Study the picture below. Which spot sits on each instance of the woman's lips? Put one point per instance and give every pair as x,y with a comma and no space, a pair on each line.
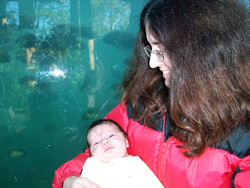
166,73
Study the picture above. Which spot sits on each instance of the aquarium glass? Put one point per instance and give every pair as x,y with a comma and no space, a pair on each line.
61,62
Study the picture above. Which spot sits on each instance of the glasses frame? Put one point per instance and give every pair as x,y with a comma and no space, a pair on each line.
158,53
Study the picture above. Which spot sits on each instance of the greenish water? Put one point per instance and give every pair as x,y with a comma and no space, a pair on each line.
60,64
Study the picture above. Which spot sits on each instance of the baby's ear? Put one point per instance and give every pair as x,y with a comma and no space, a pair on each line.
127,143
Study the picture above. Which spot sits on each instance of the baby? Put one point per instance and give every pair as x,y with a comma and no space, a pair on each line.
110,165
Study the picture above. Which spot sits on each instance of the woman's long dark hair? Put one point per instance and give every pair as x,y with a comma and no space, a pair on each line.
208,43
141,83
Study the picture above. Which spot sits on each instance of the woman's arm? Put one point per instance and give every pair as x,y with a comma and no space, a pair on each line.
70,168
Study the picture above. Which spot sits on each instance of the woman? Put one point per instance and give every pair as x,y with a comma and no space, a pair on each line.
191,62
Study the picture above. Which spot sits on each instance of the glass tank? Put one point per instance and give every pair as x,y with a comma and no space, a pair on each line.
61,62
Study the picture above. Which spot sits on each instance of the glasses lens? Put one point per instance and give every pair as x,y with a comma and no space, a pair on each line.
147,51
159,55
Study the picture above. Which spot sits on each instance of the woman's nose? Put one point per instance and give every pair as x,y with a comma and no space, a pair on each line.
154,61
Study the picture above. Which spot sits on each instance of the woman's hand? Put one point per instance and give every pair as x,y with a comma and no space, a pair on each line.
78,182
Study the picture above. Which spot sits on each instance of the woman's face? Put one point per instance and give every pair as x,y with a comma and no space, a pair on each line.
165,66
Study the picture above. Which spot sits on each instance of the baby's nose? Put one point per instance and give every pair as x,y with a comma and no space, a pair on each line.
105,141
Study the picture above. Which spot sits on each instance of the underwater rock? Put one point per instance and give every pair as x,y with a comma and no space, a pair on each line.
49,127
120,39
4,56
17,153
90,115
27,40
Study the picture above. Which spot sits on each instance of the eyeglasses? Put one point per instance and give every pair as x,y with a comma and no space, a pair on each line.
158,53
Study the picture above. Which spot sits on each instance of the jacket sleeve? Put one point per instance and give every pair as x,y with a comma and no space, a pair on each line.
242,179
70,168
74,166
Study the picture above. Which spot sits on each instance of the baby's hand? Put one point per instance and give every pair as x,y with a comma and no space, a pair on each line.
79,182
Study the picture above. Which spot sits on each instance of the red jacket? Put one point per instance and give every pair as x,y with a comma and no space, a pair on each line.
213,169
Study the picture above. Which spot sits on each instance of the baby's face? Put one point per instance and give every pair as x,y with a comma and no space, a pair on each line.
107,142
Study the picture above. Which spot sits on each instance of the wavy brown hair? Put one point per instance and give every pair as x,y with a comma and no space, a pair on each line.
208,43
142,84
